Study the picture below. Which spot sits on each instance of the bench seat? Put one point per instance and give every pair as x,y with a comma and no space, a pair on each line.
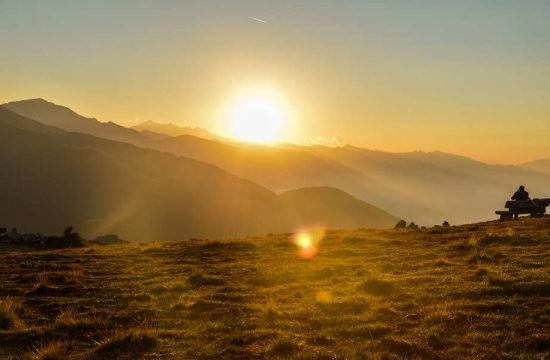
535,207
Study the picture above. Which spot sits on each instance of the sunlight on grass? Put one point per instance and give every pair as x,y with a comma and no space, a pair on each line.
384,294
323,296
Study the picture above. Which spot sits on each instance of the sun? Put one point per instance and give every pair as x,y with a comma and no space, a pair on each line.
257,116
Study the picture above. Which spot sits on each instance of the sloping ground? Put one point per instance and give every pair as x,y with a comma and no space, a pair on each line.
477,291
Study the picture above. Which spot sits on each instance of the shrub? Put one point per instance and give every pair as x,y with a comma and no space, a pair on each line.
413,226
401,224
69,239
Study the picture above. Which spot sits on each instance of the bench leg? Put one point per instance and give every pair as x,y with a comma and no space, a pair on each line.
504,217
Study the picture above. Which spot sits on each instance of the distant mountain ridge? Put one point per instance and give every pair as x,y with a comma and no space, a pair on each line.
54,178
542,166
427,188
64,118
175,130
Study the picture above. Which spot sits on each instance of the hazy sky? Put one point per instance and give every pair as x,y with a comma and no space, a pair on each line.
469,77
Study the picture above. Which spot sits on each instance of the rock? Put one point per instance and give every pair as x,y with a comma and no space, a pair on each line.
109,239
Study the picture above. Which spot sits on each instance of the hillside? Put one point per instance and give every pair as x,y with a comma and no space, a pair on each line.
542,166
64,118
276,168
99,186
425,187
302,203
468,292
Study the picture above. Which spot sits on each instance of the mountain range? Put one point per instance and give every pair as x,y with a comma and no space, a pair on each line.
541,166
52,178
170,129
425,187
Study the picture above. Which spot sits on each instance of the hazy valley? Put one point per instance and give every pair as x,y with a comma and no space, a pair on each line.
426,188
57,178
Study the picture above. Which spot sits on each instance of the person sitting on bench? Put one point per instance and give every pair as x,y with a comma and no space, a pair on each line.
521,194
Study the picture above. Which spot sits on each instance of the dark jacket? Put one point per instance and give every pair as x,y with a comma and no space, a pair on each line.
521,195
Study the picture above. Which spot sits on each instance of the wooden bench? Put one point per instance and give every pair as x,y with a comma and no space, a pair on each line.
535,207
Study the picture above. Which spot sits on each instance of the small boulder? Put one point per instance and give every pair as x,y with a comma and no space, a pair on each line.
109,239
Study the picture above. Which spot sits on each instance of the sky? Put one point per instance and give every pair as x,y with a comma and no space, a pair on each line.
469,77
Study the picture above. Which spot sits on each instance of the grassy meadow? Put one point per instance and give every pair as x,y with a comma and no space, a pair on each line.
476,291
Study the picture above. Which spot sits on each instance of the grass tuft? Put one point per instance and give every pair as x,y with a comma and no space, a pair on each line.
133,342
284,348
72,323
198,280
8,315
52,351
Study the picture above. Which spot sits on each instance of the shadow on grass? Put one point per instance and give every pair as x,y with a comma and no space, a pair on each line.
377,287
198,280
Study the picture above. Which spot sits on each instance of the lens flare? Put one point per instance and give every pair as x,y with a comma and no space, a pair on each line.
307,240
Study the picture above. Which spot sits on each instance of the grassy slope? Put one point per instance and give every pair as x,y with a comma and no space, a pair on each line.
475,291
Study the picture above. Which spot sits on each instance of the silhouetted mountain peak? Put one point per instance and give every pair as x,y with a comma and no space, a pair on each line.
35,100
62,117
42,105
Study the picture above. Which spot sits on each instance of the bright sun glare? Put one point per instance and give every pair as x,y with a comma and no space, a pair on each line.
257,117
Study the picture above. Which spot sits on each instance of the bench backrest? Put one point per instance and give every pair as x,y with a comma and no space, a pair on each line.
521,205
542,202
527,205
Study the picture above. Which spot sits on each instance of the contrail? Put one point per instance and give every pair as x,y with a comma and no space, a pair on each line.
258,20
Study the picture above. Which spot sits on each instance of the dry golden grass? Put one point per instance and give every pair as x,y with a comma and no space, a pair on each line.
8,314
51,351
476,291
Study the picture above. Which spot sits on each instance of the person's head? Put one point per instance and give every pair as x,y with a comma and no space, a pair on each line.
522,188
